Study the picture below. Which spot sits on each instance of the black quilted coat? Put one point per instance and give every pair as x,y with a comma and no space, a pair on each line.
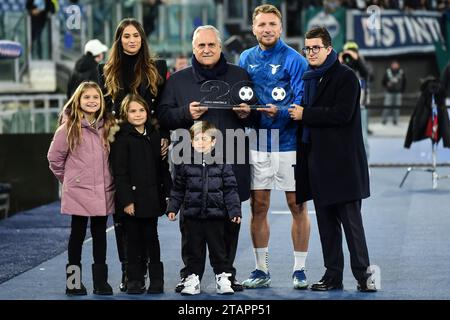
207,191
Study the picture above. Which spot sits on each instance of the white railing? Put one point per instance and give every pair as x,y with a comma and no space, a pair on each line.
35,113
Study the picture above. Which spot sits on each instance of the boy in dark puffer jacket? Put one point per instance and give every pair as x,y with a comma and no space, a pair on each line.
208,194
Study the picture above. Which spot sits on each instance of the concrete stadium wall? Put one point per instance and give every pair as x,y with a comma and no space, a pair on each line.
23,164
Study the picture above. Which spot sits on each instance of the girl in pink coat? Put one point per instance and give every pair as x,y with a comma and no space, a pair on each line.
78,157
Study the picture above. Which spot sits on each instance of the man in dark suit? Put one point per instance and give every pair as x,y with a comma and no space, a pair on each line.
332,165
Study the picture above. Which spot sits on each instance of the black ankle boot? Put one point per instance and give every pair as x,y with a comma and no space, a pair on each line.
100,279
74,286
136,282
156,275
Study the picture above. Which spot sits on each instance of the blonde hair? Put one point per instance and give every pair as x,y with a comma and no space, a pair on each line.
202,127
145,68
266,8
72,114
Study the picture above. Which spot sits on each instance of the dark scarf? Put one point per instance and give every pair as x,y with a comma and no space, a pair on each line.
311,80
220,68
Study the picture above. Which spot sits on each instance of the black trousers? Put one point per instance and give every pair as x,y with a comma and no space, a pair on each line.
78,234
231,237
142,238
198,233
329,220
121,237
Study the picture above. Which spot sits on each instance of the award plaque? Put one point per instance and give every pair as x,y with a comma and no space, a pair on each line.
218,94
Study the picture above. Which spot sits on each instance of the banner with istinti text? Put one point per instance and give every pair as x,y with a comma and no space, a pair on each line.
392,32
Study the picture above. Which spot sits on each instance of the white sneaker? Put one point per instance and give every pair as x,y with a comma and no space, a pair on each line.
191,285
223,283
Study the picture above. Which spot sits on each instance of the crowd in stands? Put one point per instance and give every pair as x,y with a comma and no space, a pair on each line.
383,4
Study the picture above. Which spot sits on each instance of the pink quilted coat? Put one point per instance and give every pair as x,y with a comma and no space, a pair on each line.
88,188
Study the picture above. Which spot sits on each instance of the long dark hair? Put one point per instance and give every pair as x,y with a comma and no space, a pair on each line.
145,69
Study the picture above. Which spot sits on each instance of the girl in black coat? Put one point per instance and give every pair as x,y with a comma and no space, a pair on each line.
142,182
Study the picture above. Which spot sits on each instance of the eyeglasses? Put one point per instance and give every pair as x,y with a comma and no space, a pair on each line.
314,49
